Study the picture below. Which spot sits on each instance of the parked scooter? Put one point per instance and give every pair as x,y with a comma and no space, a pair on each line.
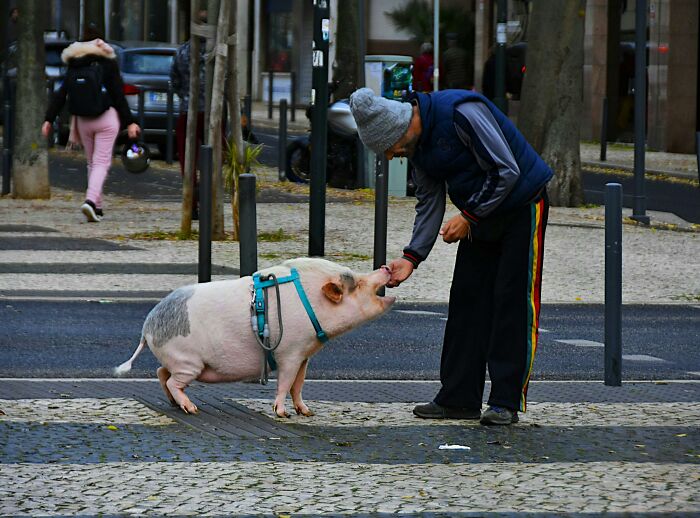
341,161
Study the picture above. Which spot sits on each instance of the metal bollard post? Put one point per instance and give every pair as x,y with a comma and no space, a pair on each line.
205,168
169,126
248,239
293,80
282,147
381,206
604,132
270,79
697,150
248,110
142,115
613,284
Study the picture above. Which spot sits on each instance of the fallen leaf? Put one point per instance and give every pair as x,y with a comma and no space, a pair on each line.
681,435
112,427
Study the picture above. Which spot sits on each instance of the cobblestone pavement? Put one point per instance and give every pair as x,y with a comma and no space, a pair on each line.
68,455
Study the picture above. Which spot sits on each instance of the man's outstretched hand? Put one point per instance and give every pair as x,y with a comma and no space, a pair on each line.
401,269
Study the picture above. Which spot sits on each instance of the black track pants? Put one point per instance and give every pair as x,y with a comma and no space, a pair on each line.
494,310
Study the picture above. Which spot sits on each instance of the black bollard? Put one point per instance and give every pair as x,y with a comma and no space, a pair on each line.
205,169
141,108
282,141
248,225
169,125
270,79
293,81
697,150
613,284
381,208
604,132
247,109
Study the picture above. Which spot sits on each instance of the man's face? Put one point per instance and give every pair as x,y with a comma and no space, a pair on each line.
406,145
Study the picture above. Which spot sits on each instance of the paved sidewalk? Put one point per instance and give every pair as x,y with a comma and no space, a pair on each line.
114,447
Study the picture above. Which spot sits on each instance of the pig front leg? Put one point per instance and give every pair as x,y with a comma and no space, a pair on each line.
286,376
298,402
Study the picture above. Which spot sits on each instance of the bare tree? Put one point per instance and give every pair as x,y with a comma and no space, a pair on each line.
188,179
346,69
234,111
31,161
552,95
216,117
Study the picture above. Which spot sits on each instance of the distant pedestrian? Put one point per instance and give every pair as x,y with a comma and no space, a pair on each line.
455,64
423,69
180,79
94,90
12,27
460,144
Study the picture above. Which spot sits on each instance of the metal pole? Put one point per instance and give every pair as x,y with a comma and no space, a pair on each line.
282,142
613,284
248,225
270,79
639,200
436,45
697,150
142,115
604,132
319,96
293,80
169,126
247,108
500,83
381,205
205,209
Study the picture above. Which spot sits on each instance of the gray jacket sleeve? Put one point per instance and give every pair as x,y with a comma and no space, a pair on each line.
478,129
430,210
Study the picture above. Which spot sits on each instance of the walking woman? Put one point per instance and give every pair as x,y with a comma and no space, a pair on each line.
94,90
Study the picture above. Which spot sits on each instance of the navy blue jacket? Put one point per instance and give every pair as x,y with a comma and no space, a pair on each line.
473,149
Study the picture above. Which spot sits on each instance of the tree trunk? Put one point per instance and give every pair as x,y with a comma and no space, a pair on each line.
191,132
30,159
345,73
234,112
216,118
552,96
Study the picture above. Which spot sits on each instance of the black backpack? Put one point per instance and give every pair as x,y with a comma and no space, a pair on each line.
87,96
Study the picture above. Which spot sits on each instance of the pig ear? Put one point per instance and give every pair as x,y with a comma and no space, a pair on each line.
333,291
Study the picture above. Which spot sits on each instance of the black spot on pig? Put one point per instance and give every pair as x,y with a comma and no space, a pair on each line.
169,318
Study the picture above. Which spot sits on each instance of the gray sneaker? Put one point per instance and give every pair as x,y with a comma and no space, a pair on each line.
434,411
498,415
88,208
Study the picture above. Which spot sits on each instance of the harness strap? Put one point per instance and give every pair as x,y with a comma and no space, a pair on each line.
293,277
259,305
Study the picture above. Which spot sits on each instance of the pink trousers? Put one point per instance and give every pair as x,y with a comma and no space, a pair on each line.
98,135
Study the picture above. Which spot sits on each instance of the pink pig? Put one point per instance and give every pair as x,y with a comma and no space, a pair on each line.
204,331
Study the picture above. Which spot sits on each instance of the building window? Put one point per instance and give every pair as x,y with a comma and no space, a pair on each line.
279,35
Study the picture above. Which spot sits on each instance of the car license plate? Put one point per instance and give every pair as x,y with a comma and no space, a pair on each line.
159,97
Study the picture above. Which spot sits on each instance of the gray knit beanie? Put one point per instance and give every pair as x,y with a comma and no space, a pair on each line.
380,122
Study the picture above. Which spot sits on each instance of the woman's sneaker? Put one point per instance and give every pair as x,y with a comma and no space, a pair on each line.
498,415
88,208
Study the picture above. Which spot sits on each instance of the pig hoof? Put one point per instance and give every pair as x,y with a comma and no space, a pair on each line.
277,412
305,412
190,408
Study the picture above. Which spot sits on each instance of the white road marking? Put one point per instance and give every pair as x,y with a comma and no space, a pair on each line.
582,343
417,312
643,358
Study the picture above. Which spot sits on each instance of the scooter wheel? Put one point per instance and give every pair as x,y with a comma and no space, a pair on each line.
298,164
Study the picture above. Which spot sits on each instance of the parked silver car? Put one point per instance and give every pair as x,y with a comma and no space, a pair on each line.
145,66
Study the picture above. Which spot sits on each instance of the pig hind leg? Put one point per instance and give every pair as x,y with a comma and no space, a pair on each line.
163,376
176,384
298,402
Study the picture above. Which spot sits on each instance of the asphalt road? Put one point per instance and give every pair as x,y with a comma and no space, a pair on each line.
87,339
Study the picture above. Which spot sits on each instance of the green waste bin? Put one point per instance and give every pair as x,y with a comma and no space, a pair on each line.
390,77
